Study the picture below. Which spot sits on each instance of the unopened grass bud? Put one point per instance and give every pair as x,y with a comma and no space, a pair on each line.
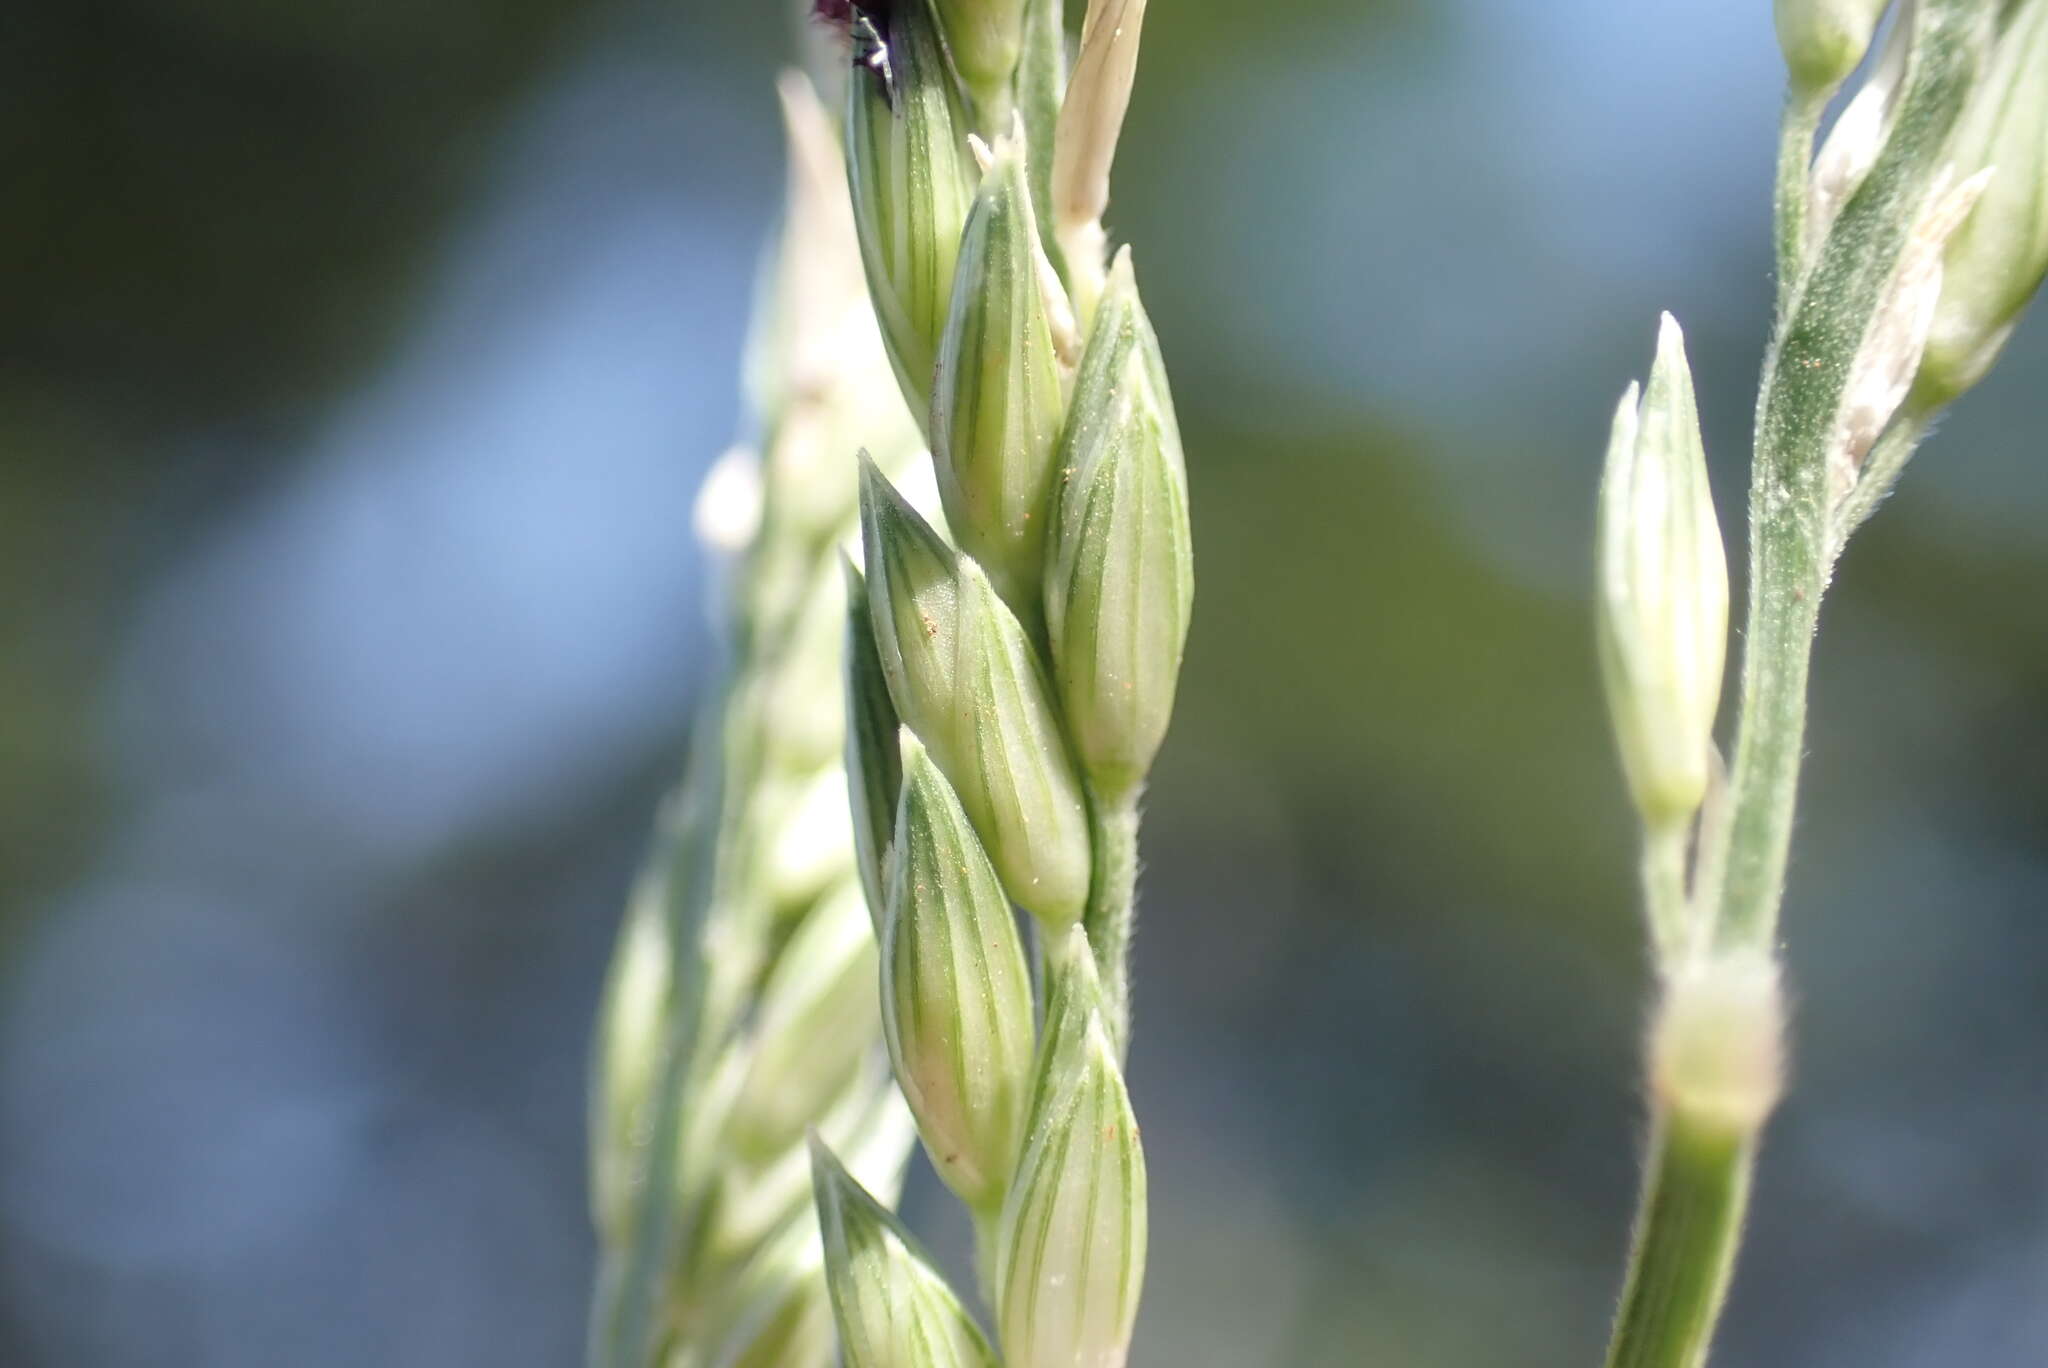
1997,258
876,1149
802,714
1663,603
874,774
893,1309
1071,1247
866,1125
792,1329
913,590
956,995
633,1023
911,178
1824,40
1120,585
817,1020
965,678
998,393
1717,1052
784,1318
811,850
985,37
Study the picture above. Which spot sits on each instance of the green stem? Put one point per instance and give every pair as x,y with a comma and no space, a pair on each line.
1796,129
1697,1187
1784,609
1112,904
987,1223
1787,574
1694,1196
1690,1219
1664,893
1814,350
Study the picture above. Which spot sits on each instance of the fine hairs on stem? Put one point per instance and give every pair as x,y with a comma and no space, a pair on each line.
1906,248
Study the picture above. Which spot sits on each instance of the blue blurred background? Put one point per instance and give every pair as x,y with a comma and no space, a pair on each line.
357,367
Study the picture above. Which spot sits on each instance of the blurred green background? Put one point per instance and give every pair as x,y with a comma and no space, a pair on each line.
357,365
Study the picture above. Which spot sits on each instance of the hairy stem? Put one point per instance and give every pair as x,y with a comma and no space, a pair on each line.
1812,355
1831,299
1796,129
1787,577
1664,891
1694,1196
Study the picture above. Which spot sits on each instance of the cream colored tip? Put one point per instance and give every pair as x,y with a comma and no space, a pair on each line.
1670,337
1092,117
